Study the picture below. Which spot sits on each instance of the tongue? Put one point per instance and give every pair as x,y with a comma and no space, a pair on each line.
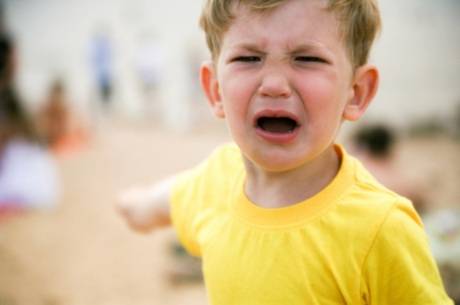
277,125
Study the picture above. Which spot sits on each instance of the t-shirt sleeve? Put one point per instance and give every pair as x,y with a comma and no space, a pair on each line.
399,268
198,192
184,207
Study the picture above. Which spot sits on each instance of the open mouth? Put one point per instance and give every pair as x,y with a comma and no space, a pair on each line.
279,125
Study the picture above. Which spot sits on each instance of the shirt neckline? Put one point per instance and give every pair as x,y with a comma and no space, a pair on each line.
300,212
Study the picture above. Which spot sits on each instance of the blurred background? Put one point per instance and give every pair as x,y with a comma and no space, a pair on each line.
97,96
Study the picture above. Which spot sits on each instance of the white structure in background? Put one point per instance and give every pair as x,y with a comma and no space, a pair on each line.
418,56
417,52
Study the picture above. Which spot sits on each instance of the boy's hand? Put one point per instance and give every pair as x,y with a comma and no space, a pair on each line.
145,209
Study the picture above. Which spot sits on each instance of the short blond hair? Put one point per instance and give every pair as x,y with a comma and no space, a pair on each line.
359,19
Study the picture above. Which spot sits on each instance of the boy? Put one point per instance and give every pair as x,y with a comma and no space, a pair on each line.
286,216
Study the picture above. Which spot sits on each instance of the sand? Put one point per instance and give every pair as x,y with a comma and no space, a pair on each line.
81,253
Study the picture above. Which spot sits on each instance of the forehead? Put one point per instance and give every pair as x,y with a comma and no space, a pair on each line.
294,22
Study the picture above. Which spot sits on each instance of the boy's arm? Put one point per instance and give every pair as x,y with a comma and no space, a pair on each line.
146,209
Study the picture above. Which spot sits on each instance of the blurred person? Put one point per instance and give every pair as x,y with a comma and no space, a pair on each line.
101,63
58,124
149,61
7,60
28,176
375,146
285,215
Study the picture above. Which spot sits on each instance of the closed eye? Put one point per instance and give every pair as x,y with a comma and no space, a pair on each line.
247,59
310,59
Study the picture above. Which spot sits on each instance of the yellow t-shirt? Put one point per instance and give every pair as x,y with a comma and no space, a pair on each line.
355,242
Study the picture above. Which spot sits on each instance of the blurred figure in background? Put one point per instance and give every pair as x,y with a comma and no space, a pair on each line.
101,64
375,146
28,177
59,126
149,69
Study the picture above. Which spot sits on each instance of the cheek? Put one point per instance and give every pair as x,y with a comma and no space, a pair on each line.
322,93
316,93
324,103
236,95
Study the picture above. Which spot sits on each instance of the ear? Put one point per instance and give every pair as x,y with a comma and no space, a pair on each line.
364,88
210,87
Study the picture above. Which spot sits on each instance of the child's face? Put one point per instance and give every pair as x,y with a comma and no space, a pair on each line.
284,82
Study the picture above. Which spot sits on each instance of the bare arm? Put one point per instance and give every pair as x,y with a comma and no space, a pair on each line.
146,209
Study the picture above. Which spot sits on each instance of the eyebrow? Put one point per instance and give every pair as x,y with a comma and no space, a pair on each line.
309,47
248,46
304,47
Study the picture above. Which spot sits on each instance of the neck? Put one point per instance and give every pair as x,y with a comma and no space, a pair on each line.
281,189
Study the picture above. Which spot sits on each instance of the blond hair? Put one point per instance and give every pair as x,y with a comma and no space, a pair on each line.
359,20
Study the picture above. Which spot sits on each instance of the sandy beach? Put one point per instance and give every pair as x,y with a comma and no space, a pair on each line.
81,253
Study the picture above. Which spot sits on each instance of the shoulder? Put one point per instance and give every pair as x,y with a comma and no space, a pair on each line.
368,196
390,220
214,174
370,205
222,162
401,227
226,156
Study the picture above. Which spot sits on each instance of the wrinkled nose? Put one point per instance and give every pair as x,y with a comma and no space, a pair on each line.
275,84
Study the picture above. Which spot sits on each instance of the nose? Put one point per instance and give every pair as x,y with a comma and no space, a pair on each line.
275,84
